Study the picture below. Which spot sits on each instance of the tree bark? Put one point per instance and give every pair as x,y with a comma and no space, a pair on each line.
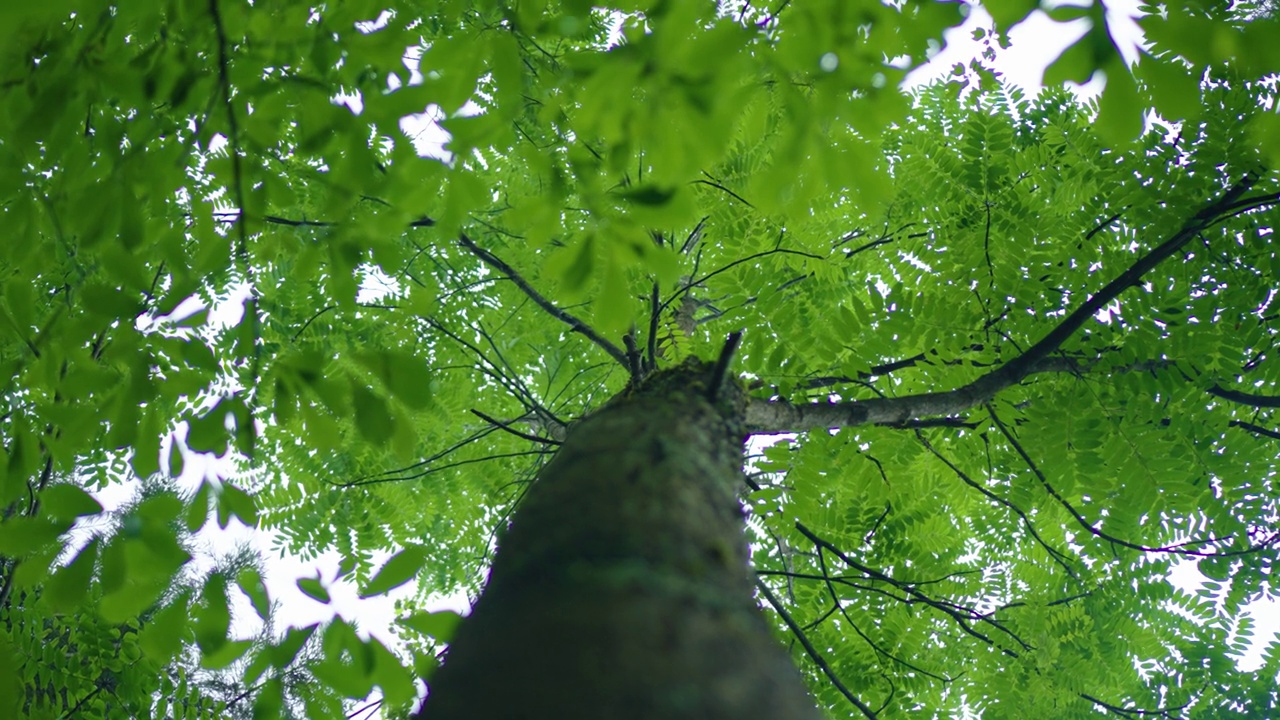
623,588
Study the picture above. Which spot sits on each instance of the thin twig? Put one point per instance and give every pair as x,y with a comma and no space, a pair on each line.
1267,401
694,283
242,230
961,614
1088,526
513,431
818,660
1256,429
1057,555
578,325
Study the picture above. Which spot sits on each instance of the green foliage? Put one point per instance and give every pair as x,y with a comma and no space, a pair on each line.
222,236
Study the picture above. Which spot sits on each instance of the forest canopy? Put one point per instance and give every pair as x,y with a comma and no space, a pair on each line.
1009,360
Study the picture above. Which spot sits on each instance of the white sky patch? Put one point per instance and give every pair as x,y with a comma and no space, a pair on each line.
1034,44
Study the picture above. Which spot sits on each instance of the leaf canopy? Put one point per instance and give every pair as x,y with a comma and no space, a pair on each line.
1015,356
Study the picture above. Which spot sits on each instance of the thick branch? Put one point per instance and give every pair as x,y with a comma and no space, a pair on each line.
774,416
1255,429
1267,401
232,217
1056,363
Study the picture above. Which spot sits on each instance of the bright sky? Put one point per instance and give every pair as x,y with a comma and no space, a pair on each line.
1034,44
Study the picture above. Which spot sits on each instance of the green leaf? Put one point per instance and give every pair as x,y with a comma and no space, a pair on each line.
664,263
223,512
159,509
463,194
1076,64
398,570
425,665
199,356
213,618
1215,568
198,510
614,306
226,654
258,664
175,461
391,675
1120,109
508,72
373,419
653,206
34,569
268,703
404,374
1264,132
574,266
69,586
114,567
406,440
421,301
20,302
351,678
439,626
110,302
1174,90
12,690
146,447
314,589
346,566
341,677
139,571
321,427
238,503
23,536
208,433
164,635
1008,13
649,195
67,502
283,654
1066,13
249,580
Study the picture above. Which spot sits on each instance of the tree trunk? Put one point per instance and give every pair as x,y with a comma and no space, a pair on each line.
623,589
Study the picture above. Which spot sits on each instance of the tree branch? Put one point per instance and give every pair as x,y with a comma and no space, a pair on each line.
811,650
1056,363
1255,429
1056,555
655,314
513,431
963,615
579,326
1179,549
1267,401
694,283
779,416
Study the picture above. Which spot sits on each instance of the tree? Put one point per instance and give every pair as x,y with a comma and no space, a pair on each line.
1013,356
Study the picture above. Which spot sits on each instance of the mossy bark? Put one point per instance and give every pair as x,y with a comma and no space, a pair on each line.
623,588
